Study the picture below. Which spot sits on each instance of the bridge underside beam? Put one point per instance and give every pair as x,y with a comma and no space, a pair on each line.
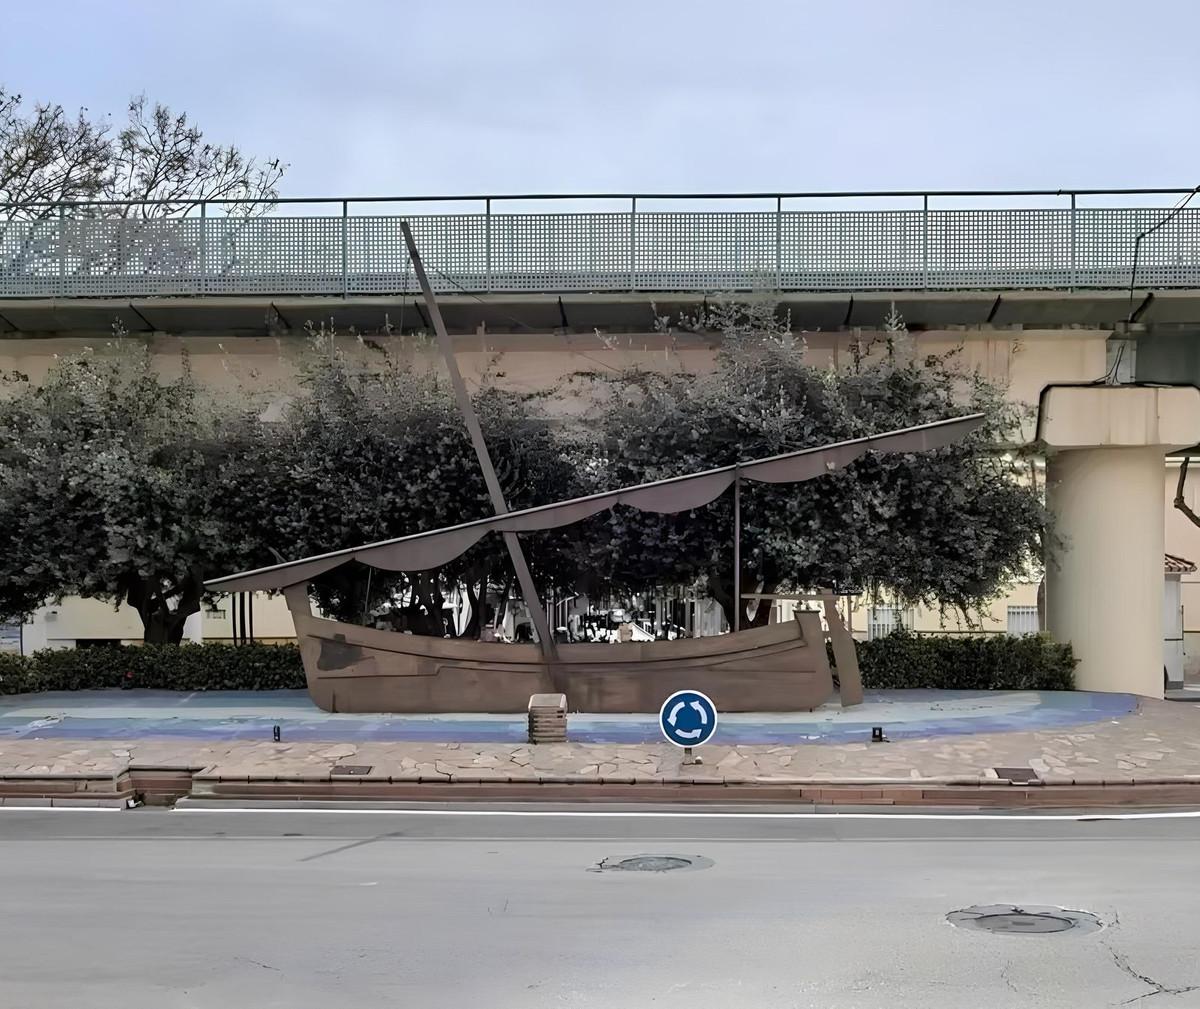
608,312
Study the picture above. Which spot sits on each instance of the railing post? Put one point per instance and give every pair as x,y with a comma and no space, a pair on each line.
345,258
62,252
487,237
633,244
778,243
1072,278
925,242
203,247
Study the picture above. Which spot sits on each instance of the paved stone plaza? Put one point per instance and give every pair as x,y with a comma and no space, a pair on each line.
1151,741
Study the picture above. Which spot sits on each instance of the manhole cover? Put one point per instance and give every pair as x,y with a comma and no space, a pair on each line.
1017,775
1009,919
351,769
651,863
655,863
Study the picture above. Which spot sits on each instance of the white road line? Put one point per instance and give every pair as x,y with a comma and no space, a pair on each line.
694,815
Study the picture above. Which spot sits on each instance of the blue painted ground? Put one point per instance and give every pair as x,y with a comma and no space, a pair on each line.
230,715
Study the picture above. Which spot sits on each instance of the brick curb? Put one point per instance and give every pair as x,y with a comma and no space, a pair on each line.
163,785
970,793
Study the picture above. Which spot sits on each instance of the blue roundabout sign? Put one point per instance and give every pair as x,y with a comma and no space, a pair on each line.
688,718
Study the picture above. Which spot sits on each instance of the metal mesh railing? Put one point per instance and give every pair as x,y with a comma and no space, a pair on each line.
74,252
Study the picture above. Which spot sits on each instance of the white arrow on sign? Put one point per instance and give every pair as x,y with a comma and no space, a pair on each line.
688,733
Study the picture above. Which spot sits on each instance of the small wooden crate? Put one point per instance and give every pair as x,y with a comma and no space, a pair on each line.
548,718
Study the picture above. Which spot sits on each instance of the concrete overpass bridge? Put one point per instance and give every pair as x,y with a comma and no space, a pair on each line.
1029,258
1037,287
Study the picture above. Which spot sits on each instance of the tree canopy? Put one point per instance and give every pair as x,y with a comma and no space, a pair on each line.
111,488
48,155
368,453
950,527
121,484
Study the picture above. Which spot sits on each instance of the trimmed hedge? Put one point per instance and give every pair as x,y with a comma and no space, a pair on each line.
905,660
155,667
901,660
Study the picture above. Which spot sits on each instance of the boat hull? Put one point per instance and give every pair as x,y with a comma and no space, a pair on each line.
780,667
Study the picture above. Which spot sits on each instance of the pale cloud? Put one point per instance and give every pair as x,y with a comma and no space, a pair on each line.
481,95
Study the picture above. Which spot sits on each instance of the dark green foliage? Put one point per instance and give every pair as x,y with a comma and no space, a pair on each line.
946,528
121,484
900,661
110,488
14,674
155,667
904,660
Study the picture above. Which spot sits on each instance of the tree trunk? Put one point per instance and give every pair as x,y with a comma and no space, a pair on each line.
429,596
1181,501
471,631
162,625
723,594
762,612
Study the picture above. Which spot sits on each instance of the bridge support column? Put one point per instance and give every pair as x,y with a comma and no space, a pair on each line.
1104,487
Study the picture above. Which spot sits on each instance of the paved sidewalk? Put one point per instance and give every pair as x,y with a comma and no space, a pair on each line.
1160,741
225,715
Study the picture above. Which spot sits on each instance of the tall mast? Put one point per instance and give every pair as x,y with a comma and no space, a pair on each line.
524,578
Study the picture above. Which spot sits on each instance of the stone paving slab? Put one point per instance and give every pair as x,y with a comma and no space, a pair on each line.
252,716
1160,741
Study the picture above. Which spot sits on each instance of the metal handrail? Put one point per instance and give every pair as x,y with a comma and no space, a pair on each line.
61,253
519,197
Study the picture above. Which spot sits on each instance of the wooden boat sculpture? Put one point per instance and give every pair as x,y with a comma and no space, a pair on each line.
779,667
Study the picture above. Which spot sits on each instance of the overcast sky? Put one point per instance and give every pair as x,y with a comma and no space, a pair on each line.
410,97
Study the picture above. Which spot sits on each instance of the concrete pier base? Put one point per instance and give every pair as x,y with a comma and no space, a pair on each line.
1104,589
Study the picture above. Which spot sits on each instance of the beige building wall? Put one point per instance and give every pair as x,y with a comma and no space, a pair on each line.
74,620
62,625
923,620
271,619
1015,611
1024,360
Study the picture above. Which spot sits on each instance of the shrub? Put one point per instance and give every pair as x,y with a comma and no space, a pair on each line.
977,662
901,660
14,674
156,667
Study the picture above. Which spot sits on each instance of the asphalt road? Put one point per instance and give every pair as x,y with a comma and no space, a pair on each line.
153,910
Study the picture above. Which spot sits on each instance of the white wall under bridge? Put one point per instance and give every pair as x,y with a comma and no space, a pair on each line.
1024,360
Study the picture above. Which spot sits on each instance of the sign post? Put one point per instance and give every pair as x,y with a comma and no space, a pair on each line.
688,718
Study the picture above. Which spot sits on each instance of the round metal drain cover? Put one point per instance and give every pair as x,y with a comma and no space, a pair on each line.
655,863
1008,919
652,863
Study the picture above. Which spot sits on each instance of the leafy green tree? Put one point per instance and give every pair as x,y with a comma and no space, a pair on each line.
117,483
949,528
110,488
370,453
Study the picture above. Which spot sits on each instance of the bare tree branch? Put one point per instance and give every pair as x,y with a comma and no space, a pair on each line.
47,156
1180,500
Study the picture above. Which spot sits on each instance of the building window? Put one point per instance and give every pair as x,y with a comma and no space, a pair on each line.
10,638
1022,620
882,620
